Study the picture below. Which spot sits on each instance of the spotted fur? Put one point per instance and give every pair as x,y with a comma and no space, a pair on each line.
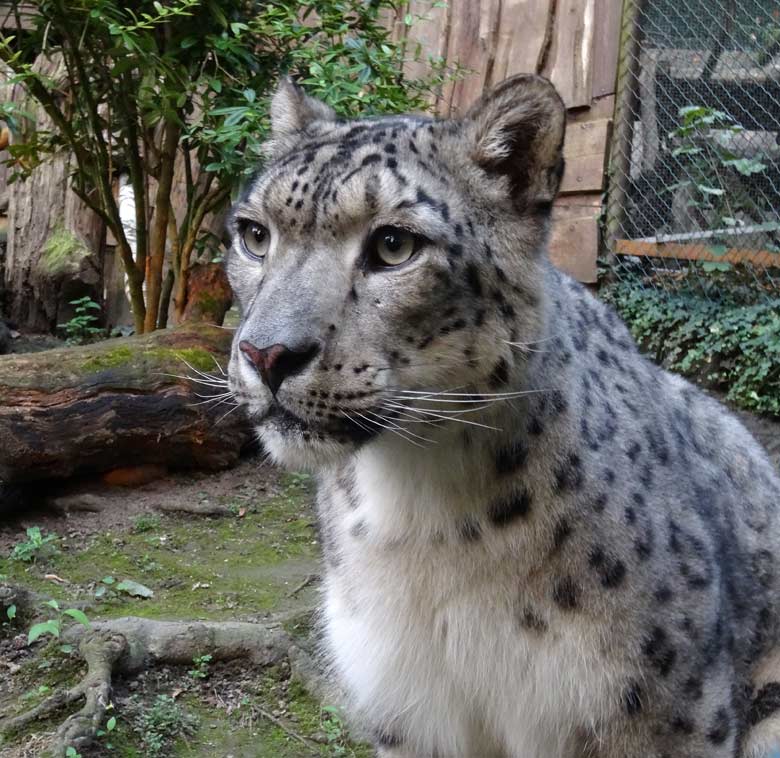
587,567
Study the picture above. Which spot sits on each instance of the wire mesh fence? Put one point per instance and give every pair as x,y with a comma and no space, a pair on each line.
694,195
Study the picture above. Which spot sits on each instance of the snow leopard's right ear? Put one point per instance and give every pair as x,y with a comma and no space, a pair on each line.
517,130
292,111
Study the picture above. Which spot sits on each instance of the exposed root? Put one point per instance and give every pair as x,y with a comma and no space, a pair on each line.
130,644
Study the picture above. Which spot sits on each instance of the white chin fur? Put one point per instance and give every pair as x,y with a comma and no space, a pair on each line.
292,452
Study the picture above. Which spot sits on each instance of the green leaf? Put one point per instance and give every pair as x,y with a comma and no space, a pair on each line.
79,616
408,20
711,190
250,95
216,85
712,266
10,611
718,250
108,579
53,604
746,166
188,42
67,649
134,589
111,724
46,627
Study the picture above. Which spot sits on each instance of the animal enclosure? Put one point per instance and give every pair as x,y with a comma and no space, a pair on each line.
695,166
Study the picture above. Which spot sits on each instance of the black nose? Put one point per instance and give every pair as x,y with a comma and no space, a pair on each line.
276,362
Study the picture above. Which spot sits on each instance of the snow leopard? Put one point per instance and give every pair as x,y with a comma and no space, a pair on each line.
536,543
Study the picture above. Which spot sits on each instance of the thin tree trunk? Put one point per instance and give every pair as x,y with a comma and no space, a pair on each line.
159,235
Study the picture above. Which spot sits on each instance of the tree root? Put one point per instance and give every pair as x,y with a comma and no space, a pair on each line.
130,644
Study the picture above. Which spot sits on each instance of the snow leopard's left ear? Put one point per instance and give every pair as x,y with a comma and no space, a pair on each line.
517,130
292,111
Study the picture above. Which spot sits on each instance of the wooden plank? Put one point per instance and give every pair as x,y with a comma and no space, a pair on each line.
570,61
691,252
607,47
8,21
574,239
426,37
585,151
524,29
472,33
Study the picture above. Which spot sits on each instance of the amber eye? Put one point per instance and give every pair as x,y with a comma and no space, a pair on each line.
255,239
391,246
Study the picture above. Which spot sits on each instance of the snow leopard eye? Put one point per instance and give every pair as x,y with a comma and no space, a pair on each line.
390,246
255,239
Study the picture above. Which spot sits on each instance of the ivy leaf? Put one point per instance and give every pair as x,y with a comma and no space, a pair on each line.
11,612
718,250
111,724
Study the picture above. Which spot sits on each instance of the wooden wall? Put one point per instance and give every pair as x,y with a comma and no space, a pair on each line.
572,42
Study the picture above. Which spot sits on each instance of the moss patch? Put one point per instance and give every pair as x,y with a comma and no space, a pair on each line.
238,566
62,252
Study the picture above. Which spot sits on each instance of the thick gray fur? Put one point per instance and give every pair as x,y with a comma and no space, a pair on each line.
578,559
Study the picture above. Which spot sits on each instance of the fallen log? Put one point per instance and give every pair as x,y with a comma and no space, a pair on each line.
153,399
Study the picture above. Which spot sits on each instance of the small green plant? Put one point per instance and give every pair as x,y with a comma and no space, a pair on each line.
36,547
38,693
71,752
106,732
146,522
81,328
714,179
160,725
728,345
53,626
335,731
201,667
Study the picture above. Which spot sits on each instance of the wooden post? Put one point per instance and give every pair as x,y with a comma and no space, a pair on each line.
625,110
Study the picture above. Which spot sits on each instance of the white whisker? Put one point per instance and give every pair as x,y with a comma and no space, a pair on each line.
222,418
399,428
434,414
389,429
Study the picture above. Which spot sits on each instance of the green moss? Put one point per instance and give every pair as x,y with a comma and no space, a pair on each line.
62,252
237,565
196,357
112,358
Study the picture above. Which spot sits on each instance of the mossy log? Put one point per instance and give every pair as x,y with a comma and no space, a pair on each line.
117,403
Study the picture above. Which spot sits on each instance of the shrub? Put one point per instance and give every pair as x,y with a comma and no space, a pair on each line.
728,345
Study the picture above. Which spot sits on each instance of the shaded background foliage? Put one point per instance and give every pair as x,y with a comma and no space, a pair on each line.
145,87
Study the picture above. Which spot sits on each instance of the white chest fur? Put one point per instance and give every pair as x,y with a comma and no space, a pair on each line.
423,630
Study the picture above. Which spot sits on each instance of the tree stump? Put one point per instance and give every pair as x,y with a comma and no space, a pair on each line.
121,402
208,293
54,240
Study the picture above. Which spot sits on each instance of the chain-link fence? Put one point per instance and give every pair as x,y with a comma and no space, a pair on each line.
694,195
